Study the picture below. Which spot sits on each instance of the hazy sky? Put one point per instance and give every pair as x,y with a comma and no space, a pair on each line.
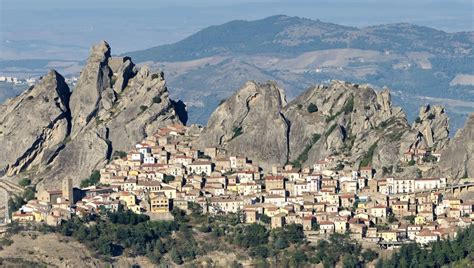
62,28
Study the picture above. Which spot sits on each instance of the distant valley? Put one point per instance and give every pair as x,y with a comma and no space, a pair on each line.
419,64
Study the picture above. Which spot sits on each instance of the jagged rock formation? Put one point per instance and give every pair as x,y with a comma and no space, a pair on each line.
250,123
457,160
350,119
34,125
338,119
113,106
432,125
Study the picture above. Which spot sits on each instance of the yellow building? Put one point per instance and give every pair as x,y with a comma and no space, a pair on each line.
159,203
420,220
40,215
129,199
390,236
133,173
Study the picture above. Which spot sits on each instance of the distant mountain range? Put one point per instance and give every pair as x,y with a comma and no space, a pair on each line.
415,62
419,64
292,36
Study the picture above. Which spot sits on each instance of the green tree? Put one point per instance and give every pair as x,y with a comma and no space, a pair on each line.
24,182
349,261
312,108
369,255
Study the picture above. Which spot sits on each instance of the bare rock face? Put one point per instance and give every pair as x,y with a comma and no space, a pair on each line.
457,159
341,119
94,79
250,123
34,125
144,106
346,119
433,128
113,106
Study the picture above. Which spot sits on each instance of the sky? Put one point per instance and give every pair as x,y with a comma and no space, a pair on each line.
63,29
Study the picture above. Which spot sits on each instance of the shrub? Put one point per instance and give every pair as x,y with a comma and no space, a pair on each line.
304,154
312,108
367,159
92,180
430,158
418,120
24,182
411,162
349,107
237,132
431,116
330,130
168,178
157,99
120,154
143,107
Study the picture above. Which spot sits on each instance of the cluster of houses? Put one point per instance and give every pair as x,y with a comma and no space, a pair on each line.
165,171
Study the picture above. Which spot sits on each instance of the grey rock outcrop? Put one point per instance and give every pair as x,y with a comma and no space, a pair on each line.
94,79
352,120
250,123
34,125
341,119
433,128
457,160
113,106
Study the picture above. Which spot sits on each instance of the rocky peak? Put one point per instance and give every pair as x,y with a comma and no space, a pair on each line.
251,116
336,119
38,118
114,105
94,79
432,125
457,159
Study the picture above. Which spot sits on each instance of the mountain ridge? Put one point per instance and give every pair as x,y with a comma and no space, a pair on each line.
417,61
236,35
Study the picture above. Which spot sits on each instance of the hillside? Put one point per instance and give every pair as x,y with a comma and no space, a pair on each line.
415,62
294,35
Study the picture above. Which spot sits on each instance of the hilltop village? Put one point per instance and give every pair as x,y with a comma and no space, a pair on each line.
165,171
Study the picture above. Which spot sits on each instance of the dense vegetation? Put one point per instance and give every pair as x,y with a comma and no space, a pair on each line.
17,201
193,235
93,179
459,251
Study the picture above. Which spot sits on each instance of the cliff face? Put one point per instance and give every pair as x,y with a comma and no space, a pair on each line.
113,106
457,160
344,120
432,126
34,125
250,123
